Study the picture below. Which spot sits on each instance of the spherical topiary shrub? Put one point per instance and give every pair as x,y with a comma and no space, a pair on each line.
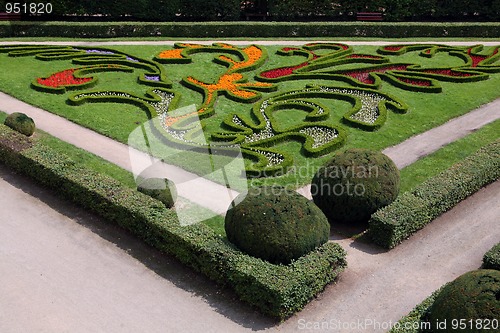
354,184
159,188
275,224
469,300
21,123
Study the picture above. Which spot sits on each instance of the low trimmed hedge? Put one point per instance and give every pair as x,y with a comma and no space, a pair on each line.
247,29
277,290
491,259
413,210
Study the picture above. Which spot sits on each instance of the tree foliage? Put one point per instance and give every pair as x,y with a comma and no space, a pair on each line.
288,10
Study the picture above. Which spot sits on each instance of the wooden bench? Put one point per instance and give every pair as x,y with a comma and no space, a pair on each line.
256,15
10,17
365,16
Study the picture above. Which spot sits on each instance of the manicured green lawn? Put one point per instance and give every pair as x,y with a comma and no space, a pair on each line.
426,110
445,157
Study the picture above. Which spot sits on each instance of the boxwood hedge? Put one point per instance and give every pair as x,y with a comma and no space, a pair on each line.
413,210
247,29
491,259
276,290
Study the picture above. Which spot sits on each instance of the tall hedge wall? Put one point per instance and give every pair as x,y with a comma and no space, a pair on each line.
246,29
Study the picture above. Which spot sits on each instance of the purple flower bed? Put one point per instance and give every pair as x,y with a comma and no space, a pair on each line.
99,52
152,77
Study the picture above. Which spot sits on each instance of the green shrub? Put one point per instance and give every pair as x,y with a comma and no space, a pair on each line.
274,224
160,189
472,296
162,10
20,123
210,10
413,210
302,9
354,184
491,259
276,290
246,29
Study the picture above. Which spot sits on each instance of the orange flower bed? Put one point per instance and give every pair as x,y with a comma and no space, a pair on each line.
228,82
171,54
177,53
253,54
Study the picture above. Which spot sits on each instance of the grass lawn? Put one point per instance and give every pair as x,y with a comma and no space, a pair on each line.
433,164
118,120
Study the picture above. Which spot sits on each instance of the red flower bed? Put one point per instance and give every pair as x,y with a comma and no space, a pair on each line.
284,71
62,79
477,58
414,81
447,72
393,48
363,56
364,75
280,72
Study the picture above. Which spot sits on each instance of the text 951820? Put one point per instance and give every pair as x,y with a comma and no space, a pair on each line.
33,8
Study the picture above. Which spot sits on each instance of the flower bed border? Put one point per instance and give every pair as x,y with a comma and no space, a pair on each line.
276,290
79,73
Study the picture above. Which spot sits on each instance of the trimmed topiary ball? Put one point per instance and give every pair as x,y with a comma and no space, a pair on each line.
276,225
470,300
354,184
20,123
491,259
159,188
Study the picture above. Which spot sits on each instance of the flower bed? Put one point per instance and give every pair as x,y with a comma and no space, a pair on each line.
71,79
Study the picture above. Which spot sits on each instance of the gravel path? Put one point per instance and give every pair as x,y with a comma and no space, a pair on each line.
65,270
69,271
418,146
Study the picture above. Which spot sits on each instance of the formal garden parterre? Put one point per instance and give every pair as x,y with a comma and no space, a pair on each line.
328,75
283,107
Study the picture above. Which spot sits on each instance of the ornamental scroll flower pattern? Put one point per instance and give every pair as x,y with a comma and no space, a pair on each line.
254,128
